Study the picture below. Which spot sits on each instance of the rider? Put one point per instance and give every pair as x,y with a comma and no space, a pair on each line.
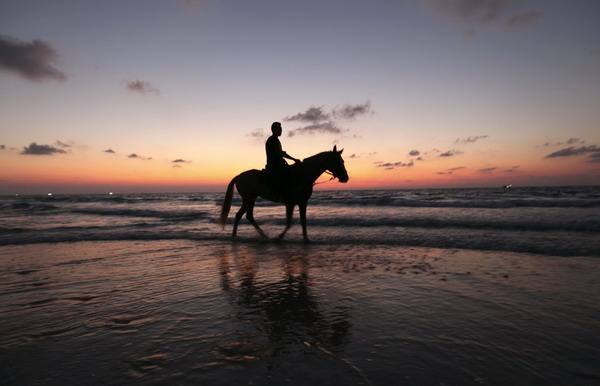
275,158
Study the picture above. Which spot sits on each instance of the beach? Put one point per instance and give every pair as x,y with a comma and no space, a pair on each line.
368,303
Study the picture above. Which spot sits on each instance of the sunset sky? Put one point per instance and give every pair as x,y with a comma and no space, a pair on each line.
179,96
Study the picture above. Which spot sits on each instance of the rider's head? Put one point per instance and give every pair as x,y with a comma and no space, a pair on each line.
276,128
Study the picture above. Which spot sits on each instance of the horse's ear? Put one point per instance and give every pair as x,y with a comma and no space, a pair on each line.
334,148
341,151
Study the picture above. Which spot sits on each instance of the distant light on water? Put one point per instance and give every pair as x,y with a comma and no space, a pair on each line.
49,194
110,194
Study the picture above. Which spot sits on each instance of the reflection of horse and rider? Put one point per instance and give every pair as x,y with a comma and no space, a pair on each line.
280,182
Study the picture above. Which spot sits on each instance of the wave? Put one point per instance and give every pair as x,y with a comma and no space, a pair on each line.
459,203
508,243
181,215
577,226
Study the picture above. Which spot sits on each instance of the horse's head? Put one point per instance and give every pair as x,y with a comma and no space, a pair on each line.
336,165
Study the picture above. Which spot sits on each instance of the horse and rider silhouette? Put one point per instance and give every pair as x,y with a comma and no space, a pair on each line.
288,184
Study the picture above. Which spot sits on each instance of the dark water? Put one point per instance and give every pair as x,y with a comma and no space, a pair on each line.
418,287
549,221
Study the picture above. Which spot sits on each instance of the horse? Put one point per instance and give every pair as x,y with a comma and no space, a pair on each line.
301,178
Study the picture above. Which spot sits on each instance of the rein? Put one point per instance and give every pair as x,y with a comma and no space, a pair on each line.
328,172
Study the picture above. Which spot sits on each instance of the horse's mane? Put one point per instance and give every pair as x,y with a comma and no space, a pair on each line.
316,156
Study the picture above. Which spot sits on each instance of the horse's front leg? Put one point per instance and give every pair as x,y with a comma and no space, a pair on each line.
289,212
302,209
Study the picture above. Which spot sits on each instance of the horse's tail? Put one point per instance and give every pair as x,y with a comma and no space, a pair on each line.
227,203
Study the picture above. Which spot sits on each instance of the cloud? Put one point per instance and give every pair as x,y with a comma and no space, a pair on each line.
109,151
182,161
414,153
35,149
258,134
325,127
483,12
572,151
521,19
32,61
594,158
313,114
134,155
512,170
450,153
321,121
394,165
451,170
2,147
351,111
62,144
142,87
487,170
570,141
177,166
471,139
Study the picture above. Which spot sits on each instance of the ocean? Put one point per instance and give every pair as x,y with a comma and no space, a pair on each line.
417,287
562,221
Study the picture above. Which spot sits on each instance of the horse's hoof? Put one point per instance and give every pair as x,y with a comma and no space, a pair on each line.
307,240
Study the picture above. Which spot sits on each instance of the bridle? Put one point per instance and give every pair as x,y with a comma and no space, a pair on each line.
332,178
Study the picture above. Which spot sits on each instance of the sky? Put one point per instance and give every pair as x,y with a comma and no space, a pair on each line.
179,96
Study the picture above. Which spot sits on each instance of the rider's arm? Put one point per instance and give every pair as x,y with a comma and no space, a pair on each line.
286,155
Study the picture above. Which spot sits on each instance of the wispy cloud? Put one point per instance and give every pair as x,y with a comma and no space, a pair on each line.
484,12
109,151
450,153
522,19
136,156
2,147
514,169
573,151
323,127
594,158
487,170
312,114
352,111
451,170
258,134
35,149
32,61
394,165
414,153
470,139
318,120
142,87
178,162
63,145
570,141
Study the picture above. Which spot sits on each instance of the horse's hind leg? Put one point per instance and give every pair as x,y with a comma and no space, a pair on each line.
250,217
238,217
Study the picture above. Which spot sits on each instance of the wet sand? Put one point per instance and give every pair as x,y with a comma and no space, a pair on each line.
222,313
